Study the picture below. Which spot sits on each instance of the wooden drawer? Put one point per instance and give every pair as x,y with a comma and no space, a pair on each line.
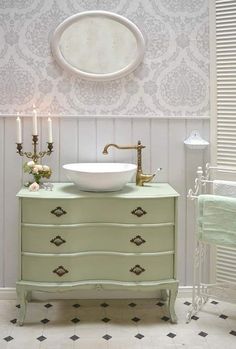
97,267
92,210
97,237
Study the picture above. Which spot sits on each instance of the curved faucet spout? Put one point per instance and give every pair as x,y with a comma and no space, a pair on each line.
140,177
138,146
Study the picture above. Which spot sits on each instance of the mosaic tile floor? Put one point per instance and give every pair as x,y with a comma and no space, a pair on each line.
117,324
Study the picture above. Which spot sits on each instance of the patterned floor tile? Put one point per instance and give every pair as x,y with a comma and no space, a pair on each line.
218,341
90,343
203,334
41,338
23,345
74,337
8,338
105,319
53,344
116,324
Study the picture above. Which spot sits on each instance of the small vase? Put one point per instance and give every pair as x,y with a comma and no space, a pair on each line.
37,178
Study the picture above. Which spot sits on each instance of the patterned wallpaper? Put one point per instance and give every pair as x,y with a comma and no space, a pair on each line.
172,80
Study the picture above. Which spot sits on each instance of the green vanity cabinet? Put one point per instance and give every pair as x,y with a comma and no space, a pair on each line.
114,240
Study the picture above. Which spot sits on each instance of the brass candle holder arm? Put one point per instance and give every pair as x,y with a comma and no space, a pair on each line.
34,155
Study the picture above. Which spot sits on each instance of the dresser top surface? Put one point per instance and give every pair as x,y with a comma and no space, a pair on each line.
70,191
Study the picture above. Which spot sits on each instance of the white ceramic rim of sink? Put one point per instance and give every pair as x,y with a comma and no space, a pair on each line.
100,167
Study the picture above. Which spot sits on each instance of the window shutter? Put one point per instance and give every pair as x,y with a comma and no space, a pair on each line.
223,112
223,82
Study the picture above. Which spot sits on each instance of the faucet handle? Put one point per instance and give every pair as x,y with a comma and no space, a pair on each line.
159,169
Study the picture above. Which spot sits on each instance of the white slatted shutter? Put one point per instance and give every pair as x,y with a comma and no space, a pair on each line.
226,265
223,112
223,82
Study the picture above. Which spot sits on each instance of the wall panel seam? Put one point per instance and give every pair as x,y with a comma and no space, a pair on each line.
186,204
4,209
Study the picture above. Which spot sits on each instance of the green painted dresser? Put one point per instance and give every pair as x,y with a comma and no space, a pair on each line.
70,239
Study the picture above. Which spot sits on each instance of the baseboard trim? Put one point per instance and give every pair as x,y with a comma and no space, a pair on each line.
185,291
9,293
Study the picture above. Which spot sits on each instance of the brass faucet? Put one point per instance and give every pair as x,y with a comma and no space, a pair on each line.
140,177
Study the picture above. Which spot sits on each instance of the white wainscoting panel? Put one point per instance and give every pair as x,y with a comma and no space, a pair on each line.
81,139
2,217
53,161
193,157
68,144
123,136
177,178
141,131
105,134
87,140
12,182
159,147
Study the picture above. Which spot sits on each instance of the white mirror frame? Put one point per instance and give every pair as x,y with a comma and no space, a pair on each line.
55,46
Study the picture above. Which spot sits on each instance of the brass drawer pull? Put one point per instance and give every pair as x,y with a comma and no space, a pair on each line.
139,212
60,271
138,240
58,211
58,241
137,269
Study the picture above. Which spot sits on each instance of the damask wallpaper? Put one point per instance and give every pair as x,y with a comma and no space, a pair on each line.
172,80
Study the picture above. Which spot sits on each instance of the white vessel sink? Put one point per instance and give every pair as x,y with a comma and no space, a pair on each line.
100,176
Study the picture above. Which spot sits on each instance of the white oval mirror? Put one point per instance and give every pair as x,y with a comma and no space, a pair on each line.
98,45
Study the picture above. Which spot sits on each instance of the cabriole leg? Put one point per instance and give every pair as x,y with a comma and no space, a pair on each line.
164,295
22,298
29,296
172,298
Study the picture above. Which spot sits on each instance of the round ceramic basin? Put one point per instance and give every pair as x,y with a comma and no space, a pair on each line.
100,176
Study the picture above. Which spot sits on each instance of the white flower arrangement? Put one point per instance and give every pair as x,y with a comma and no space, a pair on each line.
38,171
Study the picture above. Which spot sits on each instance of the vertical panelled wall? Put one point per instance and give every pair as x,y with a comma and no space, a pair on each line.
172,82
82,139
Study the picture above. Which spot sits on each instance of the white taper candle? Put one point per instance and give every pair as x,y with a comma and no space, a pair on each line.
18,130
35,123
49,130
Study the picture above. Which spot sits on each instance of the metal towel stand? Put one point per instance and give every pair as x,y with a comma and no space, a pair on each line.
204,252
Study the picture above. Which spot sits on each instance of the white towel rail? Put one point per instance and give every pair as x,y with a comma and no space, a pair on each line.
203,178
218,286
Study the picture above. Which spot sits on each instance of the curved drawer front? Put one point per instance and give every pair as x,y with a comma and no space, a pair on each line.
97,267
95,237
100,210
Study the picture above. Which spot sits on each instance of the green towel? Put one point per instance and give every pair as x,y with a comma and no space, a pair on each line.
217,219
